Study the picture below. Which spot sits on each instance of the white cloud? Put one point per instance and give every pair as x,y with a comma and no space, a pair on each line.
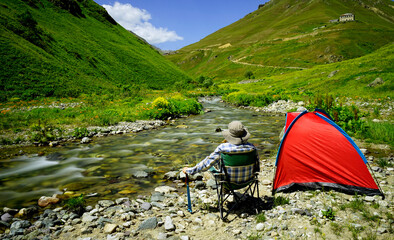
137,20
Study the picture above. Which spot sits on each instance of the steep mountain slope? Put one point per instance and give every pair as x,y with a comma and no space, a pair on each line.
289,35
68,47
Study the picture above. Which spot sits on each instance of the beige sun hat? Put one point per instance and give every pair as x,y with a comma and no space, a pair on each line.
236,133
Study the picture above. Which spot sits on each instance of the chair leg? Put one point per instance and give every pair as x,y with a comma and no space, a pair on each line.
220,199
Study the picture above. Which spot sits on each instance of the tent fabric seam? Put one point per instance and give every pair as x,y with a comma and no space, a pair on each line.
345,135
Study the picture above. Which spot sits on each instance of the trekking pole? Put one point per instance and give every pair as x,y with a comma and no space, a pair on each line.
189,203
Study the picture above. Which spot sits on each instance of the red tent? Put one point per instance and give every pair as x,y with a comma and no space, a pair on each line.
315,153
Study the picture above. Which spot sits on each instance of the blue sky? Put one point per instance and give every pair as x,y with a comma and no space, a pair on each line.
173,24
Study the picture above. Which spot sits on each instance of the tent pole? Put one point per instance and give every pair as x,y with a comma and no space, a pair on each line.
374,177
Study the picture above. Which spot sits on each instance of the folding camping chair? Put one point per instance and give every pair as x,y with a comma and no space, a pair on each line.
246,166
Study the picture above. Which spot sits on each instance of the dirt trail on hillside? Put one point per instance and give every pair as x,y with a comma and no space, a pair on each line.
238,61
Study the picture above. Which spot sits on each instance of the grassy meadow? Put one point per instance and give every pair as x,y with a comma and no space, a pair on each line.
75,54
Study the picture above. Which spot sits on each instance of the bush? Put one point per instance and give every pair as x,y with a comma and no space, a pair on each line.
245,99
260,217
80,132
280,201
162,108
329,214
249,75
347,117
43,134
76,204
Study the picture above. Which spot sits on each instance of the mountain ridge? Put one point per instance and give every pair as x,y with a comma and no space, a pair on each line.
290,33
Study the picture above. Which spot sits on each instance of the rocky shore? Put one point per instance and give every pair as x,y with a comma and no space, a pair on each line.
91,132
163,214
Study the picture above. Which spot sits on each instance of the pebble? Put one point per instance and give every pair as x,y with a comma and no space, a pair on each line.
6,217
260,227
369,199
106,203
161,236
146,206
168,224
165,189
110,228
149,223
86,217
86,140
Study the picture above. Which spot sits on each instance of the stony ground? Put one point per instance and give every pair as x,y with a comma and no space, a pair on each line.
164,215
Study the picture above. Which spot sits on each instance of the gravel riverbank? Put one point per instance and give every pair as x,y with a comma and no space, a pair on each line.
163,215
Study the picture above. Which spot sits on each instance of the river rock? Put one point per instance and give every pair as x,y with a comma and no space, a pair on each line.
171,175
86,140
298,210
18,227
86,217
122,200
140,174
110,228
168,224
11,211
146,206
45,201
157,197
106,203
260,227
369,199
301,109
199,185
381,230
165,189
211,183
161,236
149,223
6,217
196,177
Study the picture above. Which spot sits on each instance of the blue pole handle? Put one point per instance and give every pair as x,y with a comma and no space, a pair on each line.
189,202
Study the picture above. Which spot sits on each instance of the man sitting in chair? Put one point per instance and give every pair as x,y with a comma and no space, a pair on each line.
236,142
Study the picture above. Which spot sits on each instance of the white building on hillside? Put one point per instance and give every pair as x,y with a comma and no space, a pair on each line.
346,17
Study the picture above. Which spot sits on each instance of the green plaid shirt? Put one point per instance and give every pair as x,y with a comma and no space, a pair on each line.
237,174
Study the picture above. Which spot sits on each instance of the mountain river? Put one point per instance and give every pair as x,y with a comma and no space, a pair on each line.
106,168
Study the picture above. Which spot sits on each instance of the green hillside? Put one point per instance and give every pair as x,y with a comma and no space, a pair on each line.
63,48
289,35
350,78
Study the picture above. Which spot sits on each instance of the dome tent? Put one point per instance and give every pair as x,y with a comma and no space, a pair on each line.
315,153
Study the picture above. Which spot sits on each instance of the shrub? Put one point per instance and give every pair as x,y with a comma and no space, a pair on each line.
245,99
249,75
80,132
329,214
280,201
162,108
260,217
348,118
76,204
44,134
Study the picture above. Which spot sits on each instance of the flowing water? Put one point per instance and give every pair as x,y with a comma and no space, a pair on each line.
104,169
